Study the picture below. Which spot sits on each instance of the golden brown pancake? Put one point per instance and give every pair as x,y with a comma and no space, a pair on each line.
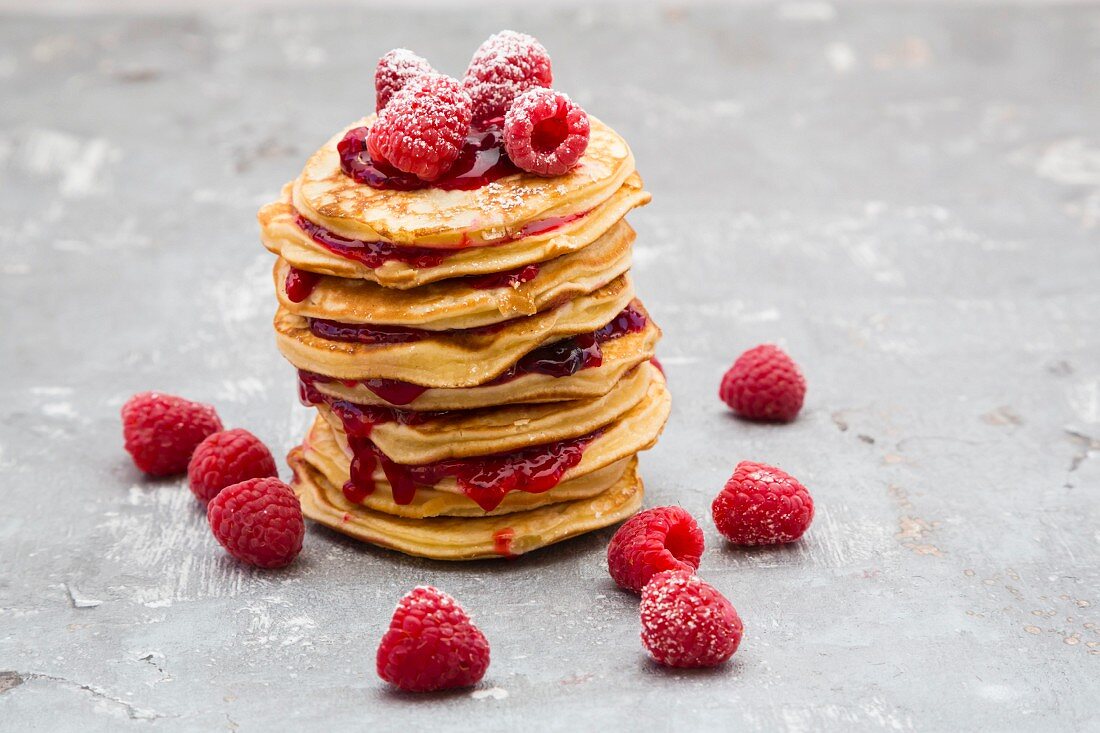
463,538
636,430
507,428
619,356
460,303
449,358
324,454
432,217
280,233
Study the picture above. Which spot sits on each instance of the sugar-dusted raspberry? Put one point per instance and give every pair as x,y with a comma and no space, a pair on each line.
258,521
764,384
431,644
503,67
664,538
686,622
423,128
394,70
761,505
545,132
161,431
228,458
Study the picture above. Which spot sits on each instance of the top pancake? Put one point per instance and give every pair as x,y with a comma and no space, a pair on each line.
431,217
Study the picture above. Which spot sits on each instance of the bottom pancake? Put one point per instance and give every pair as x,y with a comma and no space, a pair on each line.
457,538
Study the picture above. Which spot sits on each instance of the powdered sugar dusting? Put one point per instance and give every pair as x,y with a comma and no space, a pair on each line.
687,623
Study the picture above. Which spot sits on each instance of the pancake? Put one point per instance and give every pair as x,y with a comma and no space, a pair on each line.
463,538
636,430
281,234
460,303
325,455
462,434
449,358
619,356
434,218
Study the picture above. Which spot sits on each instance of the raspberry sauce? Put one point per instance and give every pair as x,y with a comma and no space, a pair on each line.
371,254
502,541
354,333
374,254
509,279
561,358
393,391
358,420
300,283
481,161
359,333
486,480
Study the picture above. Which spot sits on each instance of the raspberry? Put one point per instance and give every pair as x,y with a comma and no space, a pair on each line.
423,128
761,505
161,431
545,132
665,538
687,622
258,521
394,71
228,458
431,644
502,68
764,384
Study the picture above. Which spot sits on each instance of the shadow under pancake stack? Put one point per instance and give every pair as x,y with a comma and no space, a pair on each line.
478,360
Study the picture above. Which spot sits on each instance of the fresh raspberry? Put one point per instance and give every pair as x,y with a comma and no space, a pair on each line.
228,458
545,132
258,521
502,68
764,384
761,505
664,538
161,431
423,128
431,644
686,622
393,71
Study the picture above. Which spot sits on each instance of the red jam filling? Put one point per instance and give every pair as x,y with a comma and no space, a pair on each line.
486,480
481,161
510,279
371,254
358,333
561,358
393,391
300,283
374,254
353,333
502,541
358,420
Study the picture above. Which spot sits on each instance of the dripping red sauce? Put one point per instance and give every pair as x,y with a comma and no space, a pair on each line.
502,541
357,419
486,480
300,283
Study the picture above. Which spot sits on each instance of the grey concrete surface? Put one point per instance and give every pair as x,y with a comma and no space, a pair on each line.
907,197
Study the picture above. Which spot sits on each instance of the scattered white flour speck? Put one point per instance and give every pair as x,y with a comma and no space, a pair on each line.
495,693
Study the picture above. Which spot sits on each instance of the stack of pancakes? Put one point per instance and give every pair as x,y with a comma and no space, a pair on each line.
479,363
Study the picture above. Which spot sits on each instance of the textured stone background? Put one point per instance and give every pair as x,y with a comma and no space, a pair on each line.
906,196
